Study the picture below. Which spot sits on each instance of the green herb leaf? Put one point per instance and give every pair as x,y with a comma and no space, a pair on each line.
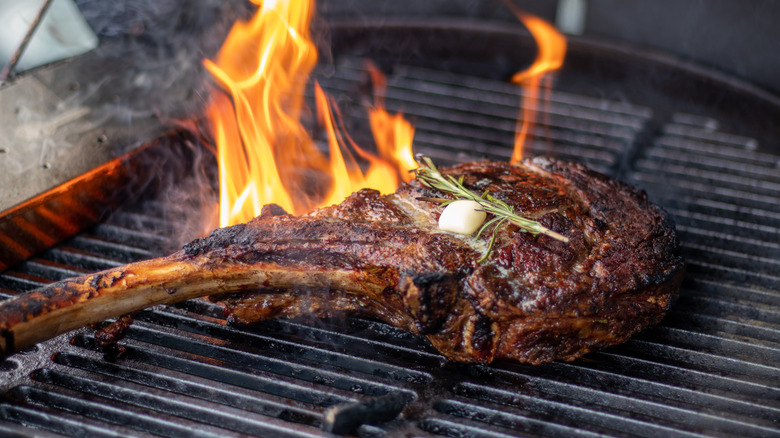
429,175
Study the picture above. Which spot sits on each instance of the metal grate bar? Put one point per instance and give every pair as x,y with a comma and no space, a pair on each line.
484,131
79,258
513,422
127,236
739,166
161,403
738,228
138,221
690,397
739,212
724,328
765,250
702,122
383,346
691,190
301,352
754,298
750,312
739,256
440,426
67,425
20,281
711,136
602,412
415,87
189,386
108,249
726,273
736,155
48,270
708,341
489,85
685,377
102,410
499,111
222,374
700,359
439,84
761,186
250,360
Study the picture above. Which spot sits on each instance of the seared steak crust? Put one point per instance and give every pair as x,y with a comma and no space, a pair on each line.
535,299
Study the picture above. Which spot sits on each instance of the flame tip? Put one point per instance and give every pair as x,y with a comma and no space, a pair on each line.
551,52
262,145
265,154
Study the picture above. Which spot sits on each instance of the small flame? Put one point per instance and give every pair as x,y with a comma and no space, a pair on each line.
392,133
552,50
265,154
347,174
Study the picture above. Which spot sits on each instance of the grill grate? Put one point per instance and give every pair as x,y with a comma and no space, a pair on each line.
469,118
709,368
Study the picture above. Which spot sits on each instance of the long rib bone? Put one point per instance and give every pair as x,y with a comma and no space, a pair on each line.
304,256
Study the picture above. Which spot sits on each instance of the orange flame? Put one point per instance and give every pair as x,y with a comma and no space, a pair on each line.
552,50
347,175
392,133
265,155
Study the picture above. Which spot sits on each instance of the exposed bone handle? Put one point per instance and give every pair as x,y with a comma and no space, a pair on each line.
69,304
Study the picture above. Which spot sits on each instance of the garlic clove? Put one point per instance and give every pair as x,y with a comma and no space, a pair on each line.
463,217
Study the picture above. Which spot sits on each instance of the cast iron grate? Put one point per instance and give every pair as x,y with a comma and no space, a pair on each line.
459,118
709,369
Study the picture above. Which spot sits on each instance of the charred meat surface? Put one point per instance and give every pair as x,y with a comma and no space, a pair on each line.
535,299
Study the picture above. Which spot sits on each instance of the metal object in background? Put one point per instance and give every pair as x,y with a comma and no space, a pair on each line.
65,124
9,68
710,368
736,38
52,216
85,114
53,31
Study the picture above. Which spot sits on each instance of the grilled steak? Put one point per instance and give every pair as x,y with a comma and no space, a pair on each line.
535,299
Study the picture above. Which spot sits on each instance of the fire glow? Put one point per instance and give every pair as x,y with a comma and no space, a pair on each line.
552,50
265,153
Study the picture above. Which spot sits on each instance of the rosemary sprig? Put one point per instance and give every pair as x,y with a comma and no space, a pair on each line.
429,174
